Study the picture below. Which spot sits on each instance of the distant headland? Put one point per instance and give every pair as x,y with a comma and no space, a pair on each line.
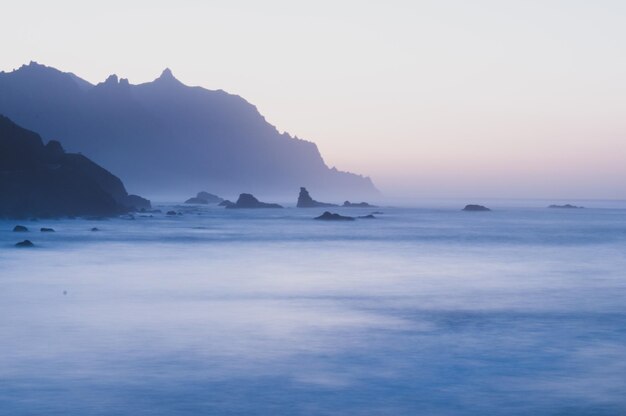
165,137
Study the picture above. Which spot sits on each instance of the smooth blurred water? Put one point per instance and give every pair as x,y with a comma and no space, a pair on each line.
267,312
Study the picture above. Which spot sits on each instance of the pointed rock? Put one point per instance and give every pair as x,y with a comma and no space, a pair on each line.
305,200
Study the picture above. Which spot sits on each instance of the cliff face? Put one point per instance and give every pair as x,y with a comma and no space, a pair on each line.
38,180
166,137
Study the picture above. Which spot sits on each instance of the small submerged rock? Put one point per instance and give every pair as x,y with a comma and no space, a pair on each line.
368,217
25,243
46,230
20,229
226,203
473,207
566,206
95,229
329,216
170,213
349,204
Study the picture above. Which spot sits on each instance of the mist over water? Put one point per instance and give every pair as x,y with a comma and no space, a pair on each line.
256,312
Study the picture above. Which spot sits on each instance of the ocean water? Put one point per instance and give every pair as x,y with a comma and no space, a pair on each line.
428,311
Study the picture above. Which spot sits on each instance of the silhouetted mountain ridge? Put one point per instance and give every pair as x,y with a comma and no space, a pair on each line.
43,180
164,137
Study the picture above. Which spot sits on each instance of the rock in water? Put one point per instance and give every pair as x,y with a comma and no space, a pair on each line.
226,203
305,200
25,243
204,198
210,198
170,213
135,202
46,230
473,207
328,216
40,180
368,217
349,204
249,201
566,206
95,229
196,200
20,229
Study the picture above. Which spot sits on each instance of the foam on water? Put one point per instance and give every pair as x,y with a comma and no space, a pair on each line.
421,311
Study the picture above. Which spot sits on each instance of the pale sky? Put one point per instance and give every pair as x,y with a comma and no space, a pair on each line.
441,98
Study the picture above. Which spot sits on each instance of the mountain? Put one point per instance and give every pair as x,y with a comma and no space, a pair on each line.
166,138
43,180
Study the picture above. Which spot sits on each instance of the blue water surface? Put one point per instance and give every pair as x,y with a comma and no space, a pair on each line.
432,311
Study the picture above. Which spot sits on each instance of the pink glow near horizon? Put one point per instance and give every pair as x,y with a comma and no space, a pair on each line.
433,98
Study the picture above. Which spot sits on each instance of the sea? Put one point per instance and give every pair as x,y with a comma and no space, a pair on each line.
423,310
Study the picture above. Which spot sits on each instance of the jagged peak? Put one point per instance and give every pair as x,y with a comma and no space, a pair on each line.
112,79
167,76
34,65
167,73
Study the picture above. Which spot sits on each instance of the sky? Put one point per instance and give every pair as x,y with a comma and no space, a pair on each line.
441,98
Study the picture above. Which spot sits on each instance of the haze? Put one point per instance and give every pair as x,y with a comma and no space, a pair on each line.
430,98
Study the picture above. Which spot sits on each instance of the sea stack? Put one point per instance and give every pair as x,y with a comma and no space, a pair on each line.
305,200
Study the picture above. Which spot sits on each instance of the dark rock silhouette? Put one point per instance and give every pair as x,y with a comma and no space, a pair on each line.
226,203
305,201
20,229
473,207
38,180
328,216
249,201
25,243
170,213
95,229
203,137
566,206
46,230
196,200
204,198
135,202
211,198
368,217
349,204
